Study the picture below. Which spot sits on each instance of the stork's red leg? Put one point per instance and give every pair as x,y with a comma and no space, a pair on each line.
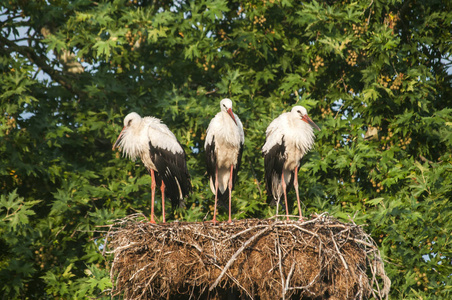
214,220
295,184
162,189
283,183
230,193
152,195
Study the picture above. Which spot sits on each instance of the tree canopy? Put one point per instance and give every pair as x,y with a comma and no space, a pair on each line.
375,75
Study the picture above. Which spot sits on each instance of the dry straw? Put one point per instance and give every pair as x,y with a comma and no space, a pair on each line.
320,258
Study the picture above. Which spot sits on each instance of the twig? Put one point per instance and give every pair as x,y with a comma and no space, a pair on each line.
289,276
189,244
237,253
278,250
339,252
306,286
316,219
301,229
363,242
244,231
141,269
360,291
123,247
236,282
370,11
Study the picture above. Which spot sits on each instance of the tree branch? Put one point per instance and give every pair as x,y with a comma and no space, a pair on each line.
29,53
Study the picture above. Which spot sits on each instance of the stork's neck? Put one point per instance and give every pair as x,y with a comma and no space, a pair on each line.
230,130
134,141
227,120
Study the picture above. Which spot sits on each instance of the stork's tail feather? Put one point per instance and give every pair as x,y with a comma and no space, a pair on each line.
179,203
223,199
271,200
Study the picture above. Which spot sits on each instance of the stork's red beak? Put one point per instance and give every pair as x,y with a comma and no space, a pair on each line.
115,145
232,115
308,120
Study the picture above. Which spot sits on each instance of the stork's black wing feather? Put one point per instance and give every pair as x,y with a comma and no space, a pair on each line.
237,167
172,168
274,161
211,159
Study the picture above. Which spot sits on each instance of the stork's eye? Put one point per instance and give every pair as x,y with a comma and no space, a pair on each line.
129,123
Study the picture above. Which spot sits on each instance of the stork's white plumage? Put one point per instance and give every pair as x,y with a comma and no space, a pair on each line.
162,155
289,137
224,147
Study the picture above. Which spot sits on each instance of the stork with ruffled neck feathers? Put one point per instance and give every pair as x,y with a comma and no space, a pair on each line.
162,155
288,138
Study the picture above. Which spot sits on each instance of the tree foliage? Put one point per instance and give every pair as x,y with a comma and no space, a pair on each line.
374,75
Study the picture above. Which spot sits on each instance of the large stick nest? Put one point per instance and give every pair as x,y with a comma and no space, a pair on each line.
320,258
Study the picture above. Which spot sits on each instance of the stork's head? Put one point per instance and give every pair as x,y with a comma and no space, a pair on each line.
226,106
130,121
302,113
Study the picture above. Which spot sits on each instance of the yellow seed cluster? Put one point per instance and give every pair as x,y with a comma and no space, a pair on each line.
384,81
421,278
264,2
376,185
45,258
135,39
397,83
10,124
205,65
326,111
359,30
318,62
387,140
381,237
259,20
352,57
391,20
221,33
130,38
388,143
405,142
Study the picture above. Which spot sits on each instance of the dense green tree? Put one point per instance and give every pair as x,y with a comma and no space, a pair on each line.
374,75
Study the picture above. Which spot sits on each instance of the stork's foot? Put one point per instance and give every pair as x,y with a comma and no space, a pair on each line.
213,221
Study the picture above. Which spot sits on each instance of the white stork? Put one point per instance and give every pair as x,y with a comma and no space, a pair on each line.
224,147
289,137
161,154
